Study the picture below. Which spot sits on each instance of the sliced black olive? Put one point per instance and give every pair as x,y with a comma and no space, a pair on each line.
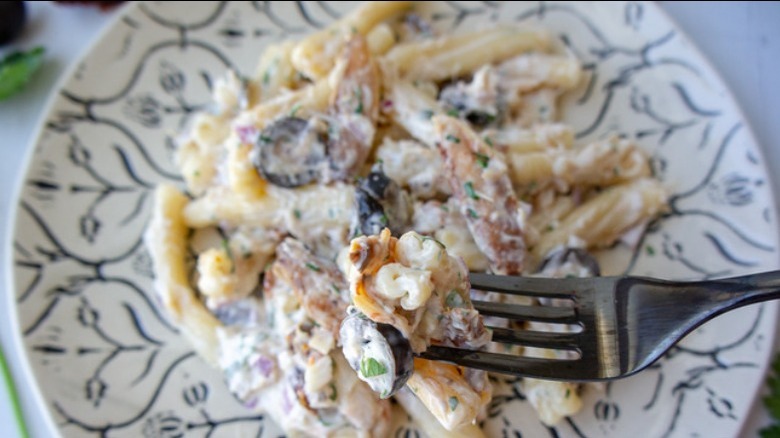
381,203
567,261
371,214
457,102
292,152
378,352
377,184
480,119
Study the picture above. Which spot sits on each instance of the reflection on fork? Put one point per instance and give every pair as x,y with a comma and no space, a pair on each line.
624,323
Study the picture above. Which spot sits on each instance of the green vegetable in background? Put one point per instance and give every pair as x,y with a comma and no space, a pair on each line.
17,68
772,401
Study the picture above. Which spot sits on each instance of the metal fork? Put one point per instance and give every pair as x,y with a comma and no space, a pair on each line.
626,323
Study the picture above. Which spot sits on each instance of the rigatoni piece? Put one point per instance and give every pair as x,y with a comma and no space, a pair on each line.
483,192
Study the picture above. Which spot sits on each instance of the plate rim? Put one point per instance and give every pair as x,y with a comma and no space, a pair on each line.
33,389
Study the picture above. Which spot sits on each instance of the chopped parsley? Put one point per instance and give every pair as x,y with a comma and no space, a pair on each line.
295,109
265,139
472,214
426,114
772,400
297,213
452,138
469,187
422,239
229,252
334,394
313,267
488,141
650,250
453,401
482,159
370,367
359,97
453,113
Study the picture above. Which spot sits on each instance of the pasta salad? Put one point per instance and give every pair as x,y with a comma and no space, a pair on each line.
335,202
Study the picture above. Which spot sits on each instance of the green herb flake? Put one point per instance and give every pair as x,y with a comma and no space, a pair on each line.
229,252
297,213
359,97
453,401
568,393
472,214
650,250
488,141
265,139
426,114
370,367
454,299
313,267
423,239
452,138
267,76
295,109
469,187
453,113
482,159
16,70
772,399
334,393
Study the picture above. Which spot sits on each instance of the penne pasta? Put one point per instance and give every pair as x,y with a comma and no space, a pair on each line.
601,220
458,55
166,239
314,56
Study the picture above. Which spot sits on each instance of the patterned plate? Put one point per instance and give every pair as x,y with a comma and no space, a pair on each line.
106,361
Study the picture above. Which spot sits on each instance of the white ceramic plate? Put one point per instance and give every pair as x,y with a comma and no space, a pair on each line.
106,361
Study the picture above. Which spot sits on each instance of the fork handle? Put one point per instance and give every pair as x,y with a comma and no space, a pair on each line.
700,301
735,292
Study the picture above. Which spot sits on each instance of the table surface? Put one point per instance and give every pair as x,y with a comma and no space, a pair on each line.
741,39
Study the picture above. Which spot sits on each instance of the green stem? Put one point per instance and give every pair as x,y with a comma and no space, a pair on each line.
17,407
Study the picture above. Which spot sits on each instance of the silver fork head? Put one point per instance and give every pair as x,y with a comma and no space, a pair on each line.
605,345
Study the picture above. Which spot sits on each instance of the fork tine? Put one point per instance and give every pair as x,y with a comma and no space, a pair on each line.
530,338
528,286
552,369
518,312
